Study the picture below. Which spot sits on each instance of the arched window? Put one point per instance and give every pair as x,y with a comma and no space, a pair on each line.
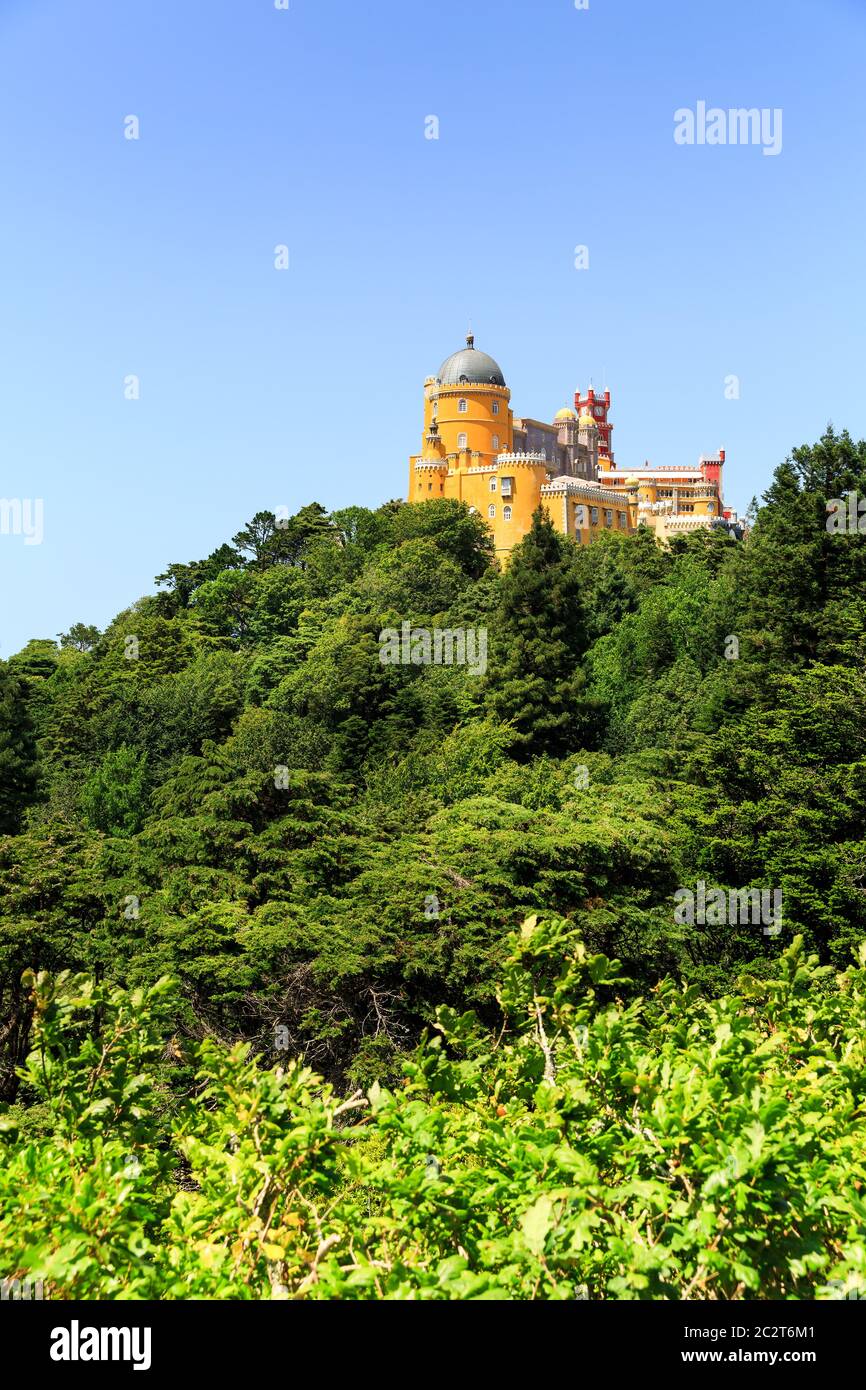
496,441
495,407
461,441
435,407
506,513
491,510
492,484
463,406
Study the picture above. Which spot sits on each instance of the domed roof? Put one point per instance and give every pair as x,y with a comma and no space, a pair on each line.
470,367
586,419
565,414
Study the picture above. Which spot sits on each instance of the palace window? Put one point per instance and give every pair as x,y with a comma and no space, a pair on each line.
495,407
608,517
463,406
623,521
506,513
435,407
496,441
580,514
492,484
507,487
491,510
461,441
711,507
593,515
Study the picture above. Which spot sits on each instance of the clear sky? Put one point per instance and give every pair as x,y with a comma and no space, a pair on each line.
305,127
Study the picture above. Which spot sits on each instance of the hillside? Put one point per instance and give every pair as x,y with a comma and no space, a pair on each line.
233,834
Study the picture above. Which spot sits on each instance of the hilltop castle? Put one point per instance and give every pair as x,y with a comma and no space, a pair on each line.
505,466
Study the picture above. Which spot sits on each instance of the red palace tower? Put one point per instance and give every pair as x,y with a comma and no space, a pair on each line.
598,407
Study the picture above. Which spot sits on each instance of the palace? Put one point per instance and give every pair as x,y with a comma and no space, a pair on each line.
504,466
676,499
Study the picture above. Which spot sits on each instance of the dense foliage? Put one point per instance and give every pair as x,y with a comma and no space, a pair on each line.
673,1147
328,857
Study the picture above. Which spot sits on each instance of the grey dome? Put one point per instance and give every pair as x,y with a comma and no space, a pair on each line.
471,367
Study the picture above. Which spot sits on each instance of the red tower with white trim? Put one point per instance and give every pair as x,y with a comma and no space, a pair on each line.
711,468
597,405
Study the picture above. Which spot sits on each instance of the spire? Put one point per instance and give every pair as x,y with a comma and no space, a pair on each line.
470,338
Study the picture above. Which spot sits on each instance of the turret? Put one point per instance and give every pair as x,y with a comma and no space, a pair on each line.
587,434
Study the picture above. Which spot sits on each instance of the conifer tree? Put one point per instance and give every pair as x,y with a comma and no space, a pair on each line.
534,677
17,751
798,579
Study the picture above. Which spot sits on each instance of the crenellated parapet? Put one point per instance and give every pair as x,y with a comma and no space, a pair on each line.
585,490
520,460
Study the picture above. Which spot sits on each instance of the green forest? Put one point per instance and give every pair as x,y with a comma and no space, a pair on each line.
328,978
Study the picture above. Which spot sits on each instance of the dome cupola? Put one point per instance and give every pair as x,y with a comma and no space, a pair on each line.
469,367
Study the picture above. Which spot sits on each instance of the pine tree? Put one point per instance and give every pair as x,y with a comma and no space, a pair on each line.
798,580
534,678
114,797
17,751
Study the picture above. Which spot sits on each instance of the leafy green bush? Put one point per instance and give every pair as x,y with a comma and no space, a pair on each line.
672,1147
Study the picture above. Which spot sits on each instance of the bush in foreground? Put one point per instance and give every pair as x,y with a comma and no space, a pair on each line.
674,1147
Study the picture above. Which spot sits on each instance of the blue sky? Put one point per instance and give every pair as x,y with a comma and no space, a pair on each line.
259,127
